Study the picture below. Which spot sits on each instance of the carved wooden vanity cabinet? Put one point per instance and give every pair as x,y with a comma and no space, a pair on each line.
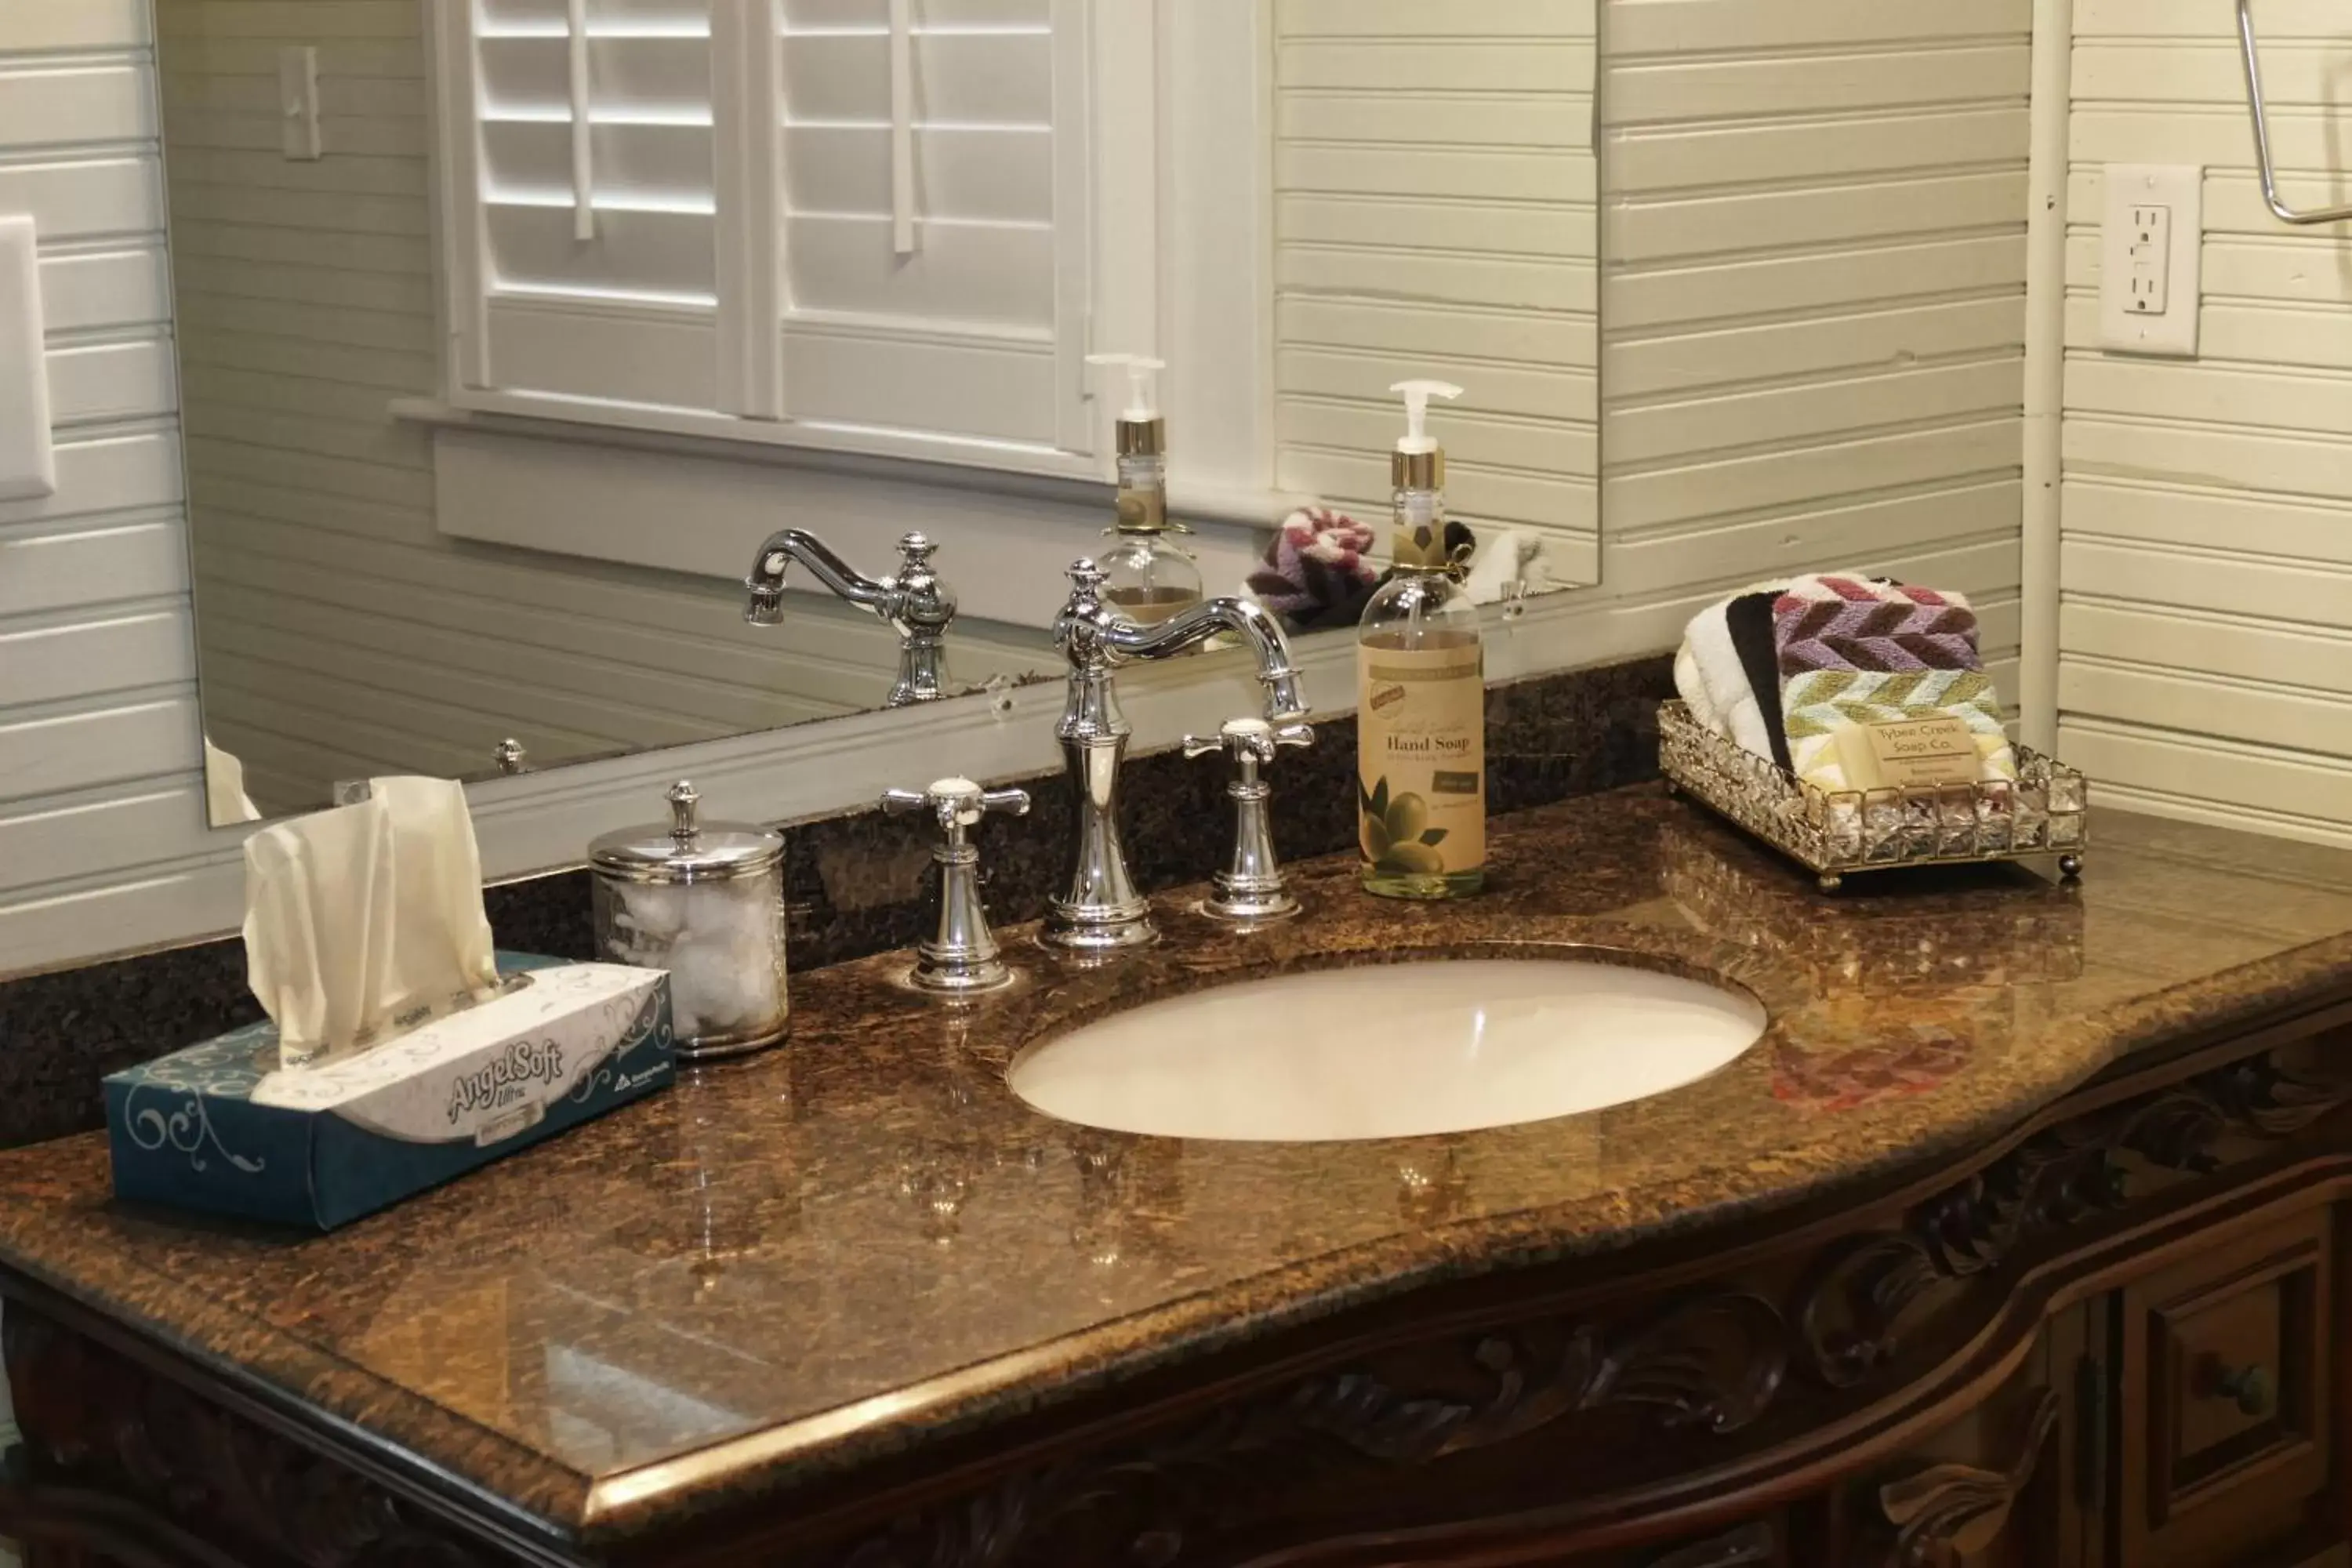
2108,1339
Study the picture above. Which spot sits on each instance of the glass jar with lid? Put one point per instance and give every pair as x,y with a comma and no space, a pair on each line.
704,900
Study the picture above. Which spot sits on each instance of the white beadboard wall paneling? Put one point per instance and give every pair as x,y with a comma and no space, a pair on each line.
342,632
1814,309
1435,214
2205,573
98,694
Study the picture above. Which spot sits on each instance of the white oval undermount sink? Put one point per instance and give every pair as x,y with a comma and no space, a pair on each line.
1396,1051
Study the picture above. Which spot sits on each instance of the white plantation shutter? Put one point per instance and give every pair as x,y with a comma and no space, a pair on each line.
936,241
595,199
849,222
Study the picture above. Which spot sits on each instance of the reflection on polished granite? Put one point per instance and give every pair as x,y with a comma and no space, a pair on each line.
863,1242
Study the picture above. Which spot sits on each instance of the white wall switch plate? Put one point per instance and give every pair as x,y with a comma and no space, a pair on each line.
298,101
2154,245
27,466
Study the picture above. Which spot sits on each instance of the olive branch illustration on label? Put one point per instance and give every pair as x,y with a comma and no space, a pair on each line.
1396,836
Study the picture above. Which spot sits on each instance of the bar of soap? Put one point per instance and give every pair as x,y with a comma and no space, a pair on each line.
1925,752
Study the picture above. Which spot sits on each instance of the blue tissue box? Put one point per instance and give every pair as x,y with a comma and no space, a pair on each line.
220,1127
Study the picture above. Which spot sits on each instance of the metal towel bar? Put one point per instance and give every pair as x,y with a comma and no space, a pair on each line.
2285,212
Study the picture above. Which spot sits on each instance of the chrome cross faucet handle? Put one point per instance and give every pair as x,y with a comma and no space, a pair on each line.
964,957
1103,912
916,601
1250,890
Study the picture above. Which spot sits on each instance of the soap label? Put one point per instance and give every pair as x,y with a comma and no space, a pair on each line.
1911,754
1421,719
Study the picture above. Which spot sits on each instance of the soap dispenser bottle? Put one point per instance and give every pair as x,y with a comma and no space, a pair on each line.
1421,687
1149,577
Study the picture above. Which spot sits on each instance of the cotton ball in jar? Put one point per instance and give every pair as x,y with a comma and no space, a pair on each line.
655,910
723,970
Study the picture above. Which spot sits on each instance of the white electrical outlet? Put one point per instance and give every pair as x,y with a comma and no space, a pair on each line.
2149,287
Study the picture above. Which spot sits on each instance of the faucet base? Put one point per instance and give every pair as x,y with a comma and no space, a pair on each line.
1250,906
945,977
1074,931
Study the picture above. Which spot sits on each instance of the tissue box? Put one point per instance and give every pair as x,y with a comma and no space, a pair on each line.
220,1127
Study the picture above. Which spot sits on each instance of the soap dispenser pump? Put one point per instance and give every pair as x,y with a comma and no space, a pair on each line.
1421,687
1149,577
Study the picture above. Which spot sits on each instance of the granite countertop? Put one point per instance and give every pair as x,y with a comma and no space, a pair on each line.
863,1241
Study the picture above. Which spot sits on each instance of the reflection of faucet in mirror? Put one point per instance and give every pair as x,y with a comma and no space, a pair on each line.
915,602
1102,911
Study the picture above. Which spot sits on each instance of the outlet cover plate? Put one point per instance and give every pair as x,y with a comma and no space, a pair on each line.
2150,287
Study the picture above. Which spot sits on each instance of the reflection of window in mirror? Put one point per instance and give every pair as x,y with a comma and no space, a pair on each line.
491,390
898,226
842,223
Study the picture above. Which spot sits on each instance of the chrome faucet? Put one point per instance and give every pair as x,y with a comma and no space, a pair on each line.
1251,889
962,957
916,603
1102,911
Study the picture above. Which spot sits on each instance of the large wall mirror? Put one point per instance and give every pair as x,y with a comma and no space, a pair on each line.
508,329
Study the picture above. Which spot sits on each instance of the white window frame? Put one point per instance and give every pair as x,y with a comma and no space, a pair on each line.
1176,258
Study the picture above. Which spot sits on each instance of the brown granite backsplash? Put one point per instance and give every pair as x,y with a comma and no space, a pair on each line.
857,884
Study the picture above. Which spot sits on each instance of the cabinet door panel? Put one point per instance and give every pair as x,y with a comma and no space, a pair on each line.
2226,1372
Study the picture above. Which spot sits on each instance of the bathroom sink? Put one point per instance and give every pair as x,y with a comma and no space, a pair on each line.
1396,1051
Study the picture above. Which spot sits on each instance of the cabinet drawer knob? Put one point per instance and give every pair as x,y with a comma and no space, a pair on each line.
2247,1387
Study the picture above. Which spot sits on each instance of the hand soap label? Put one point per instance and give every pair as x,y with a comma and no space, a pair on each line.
1421,719
1911,754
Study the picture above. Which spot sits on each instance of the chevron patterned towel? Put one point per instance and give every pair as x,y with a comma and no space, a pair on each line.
1843,622
1859,651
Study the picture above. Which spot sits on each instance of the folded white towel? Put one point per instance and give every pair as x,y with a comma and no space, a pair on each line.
1730,699
1692,686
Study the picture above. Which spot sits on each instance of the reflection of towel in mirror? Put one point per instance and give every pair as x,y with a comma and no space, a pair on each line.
1854,650
1316,572
1725,672
225,796
1509,565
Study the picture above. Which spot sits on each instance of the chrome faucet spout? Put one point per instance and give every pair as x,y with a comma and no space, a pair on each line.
1102,911
776,557
915,602
1196,625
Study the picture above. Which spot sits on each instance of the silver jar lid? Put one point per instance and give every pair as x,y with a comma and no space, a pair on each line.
688,850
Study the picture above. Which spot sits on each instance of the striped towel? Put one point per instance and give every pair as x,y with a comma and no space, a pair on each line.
1860,651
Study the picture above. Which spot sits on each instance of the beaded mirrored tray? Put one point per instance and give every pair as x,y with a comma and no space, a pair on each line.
1837,836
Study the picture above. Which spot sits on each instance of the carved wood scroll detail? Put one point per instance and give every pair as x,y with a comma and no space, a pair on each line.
1715,1364
1858,1299
1946,1514
101,1425
1749,1546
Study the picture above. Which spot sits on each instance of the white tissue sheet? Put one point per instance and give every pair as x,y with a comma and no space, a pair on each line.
367,920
